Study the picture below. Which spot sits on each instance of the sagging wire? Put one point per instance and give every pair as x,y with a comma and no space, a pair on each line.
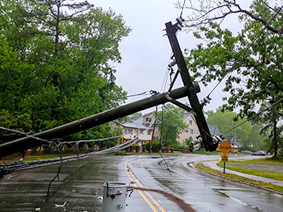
59,143
252,117
44,140
59,168
165,163
109,150
70,106
22,166
179,117
164,83
91,140
161,143
171,70
244,52
182,8
25,134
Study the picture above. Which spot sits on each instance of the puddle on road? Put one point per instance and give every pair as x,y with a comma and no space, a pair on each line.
221,192
277,195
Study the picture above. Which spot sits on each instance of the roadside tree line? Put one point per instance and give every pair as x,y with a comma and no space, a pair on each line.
57,64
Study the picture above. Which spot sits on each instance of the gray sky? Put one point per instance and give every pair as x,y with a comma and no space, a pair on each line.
146,52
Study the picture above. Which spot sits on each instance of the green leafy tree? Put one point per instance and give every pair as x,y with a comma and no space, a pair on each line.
171,124
255,140
61,56
250,62
226,121
21,123
270,121
188,142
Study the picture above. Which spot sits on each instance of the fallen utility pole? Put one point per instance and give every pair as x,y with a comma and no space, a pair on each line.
207,140
89,122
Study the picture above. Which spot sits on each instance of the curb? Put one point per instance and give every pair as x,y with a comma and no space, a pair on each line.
238,181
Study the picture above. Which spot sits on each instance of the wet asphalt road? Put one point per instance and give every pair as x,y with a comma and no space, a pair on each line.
80,186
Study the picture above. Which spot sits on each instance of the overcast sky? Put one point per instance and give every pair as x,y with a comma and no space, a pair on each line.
146,52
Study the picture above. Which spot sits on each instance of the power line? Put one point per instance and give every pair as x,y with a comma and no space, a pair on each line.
25,134
252,117
87,103
91,140
245,51
165,79
182,9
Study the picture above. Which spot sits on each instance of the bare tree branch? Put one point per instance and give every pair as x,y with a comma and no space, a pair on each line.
209,11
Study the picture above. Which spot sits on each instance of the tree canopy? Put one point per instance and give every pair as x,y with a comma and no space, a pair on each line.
250,62
171,124
57,61
248,135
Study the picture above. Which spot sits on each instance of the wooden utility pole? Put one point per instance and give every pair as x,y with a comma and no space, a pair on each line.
89,122
197,108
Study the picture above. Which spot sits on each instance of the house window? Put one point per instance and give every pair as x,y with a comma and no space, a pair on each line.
129,131
191,131
149,132
190,122
141,131
147,119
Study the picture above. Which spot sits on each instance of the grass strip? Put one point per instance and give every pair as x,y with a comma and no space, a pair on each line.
44,157
261,173
202,152
267,186
266,161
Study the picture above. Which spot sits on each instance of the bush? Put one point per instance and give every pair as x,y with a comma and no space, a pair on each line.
177,146
119,153
156,146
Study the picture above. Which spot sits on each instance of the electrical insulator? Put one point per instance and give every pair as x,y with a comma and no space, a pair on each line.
172,63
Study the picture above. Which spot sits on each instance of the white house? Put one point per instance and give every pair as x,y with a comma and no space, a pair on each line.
140,128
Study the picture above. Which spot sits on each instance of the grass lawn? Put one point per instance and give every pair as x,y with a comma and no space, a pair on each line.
266,161
203,152
261,173
241,179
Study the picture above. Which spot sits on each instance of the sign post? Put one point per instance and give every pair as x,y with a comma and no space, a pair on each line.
225,147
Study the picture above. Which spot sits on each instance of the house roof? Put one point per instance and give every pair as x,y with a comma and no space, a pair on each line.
186,115
139,120
134,125
150,113
213,129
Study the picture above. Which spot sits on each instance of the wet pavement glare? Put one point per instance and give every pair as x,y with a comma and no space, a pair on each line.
80,187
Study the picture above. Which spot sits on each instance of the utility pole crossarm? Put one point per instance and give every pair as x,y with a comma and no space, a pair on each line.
197,108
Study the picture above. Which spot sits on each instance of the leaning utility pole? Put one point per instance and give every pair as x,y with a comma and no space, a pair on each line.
89,122
184,72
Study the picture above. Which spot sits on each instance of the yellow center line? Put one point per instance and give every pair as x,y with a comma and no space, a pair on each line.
140,192
153,200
